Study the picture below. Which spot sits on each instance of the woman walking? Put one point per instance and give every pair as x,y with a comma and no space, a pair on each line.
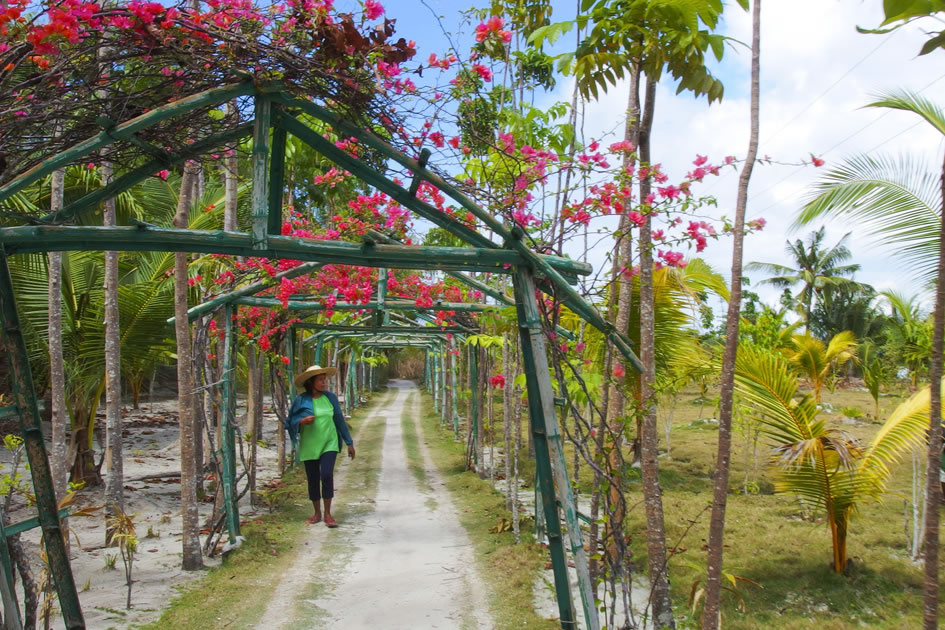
317,423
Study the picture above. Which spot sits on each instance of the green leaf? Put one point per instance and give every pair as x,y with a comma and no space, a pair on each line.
550,33
936,42
216,114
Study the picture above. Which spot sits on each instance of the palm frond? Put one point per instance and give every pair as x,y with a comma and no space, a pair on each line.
908,101
905,429
896,200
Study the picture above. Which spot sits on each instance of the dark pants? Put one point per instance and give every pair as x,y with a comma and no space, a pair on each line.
321,476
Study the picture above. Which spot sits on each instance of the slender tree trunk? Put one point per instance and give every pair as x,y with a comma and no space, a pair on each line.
649,437
710,613
933,486
57,374
616,400
185,390
253,412
114,478
230,180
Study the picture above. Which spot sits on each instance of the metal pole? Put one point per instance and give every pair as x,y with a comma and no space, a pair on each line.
228,434
24,397
293,334
549,456
473,392
11,611
454,391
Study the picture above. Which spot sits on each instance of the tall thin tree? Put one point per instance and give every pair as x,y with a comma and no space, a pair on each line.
713,591
57,373
192,559
114,475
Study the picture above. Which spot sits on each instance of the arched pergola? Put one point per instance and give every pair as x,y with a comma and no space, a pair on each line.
276,112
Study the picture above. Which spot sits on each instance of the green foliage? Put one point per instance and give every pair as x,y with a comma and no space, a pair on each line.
819,362
652,36
815,268
852,412
900,12
824,467
896,199
275,494
486,341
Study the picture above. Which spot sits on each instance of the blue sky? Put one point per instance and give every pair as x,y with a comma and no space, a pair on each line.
817,73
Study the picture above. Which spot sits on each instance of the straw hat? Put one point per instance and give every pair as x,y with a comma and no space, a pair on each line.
312,371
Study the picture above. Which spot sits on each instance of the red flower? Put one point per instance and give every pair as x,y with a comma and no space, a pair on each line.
816,161
497,381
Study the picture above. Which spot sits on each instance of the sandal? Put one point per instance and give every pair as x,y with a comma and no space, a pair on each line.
330,522
317,518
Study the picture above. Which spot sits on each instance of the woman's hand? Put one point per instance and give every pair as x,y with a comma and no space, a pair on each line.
307,420
351,451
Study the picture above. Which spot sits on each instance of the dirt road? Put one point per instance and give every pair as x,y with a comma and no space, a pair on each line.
400,558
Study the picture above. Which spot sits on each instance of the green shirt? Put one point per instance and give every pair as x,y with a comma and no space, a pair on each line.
320,436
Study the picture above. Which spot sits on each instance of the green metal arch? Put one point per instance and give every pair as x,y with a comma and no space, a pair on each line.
275,111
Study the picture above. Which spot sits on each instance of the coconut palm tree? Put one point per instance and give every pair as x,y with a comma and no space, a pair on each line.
909,334
818,362
826,468
816,267
905,204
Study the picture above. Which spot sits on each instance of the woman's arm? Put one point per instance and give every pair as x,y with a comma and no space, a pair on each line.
300,413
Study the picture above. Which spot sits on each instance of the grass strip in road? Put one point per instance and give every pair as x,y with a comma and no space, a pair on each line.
415,463
508,570
236,593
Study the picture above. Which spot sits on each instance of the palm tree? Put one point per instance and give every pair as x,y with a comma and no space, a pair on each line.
824,467
905,205
909,334
847,307
816,267
818,362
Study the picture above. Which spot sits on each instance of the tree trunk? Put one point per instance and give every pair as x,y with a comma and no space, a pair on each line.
230,179
253,413
648,436
114,477
185,390
710,613
57,373
933,487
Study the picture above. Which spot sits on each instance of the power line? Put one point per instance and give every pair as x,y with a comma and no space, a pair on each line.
830,87
796,169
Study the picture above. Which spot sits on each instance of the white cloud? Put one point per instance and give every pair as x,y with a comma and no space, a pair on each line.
817,74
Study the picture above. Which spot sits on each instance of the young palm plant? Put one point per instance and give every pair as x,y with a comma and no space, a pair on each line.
826,468
819,362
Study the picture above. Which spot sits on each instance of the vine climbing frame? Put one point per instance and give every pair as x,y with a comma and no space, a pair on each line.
276,115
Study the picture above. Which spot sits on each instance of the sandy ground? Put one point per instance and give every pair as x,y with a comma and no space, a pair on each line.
412,564
150,447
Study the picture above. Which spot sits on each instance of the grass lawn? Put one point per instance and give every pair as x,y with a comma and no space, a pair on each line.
769,538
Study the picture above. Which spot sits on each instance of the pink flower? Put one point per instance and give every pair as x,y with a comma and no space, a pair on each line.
373,9
493,25
700,160
624,146
619,372
482,71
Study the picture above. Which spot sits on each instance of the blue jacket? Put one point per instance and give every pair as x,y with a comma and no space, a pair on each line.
302,406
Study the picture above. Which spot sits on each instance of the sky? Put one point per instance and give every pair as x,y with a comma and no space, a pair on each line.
817,74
